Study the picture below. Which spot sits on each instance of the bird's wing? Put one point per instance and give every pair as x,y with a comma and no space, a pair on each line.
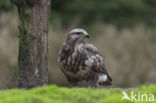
94,60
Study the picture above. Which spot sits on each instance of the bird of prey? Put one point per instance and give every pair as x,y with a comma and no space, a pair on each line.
79,61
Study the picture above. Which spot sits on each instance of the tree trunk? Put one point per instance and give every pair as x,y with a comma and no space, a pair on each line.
33,43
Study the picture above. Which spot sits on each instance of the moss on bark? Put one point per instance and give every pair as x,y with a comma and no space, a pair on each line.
33,44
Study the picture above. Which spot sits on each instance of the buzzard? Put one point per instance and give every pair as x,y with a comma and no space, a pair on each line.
79,61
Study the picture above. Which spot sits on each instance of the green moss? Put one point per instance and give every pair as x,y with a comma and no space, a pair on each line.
55,94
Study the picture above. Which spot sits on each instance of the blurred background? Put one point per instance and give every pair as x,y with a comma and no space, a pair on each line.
124,31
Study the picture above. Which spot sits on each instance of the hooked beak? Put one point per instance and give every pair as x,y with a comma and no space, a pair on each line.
86,35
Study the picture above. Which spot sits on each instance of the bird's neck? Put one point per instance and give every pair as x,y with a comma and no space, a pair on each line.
72,44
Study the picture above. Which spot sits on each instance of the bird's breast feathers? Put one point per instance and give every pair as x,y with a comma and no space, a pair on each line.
83,57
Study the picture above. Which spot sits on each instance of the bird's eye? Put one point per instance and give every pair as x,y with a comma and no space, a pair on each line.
78,33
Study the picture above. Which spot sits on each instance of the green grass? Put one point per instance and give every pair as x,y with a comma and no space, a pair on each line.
55,94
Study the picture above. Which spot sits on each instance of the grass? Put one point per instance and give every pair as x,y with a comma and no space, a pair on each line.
55,94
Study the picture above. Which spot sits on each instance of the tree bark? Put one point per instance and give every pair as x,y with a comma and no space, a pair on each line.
33,43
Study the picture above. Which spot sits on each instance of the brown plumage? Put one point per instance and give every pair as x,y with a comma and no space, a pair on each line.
81,61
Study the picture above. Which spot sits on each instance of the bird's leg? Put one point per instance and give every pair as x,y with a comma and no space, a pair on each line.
81,74
70,74
92,84
73,84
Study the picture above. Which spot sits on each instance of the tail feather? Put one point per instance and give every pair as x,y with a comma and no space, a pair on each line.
105,80
110,79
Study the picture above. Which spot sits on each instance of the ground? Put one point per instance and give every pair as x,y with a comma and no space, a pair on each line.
55,94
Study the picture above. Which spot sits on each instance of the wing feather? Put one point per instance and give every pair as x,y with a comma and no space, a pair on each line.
94,60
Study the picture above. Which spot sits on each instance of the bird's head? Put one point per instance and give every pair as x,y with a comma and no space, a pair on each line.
77,34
